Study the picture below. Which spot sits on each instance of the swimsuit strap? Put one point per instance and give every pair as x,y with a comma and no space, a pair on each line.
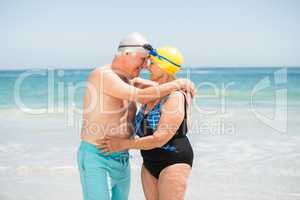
183,126
185,104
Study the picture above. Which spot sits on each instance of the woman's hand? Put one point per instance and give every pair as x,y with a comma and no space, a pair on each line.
108,145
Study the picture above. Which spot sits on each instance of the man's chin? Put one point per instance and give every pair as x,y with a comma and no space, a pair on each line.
136,74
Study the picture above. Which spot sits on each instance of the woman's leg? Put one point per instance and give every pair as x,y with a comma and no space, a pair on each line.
149,183
172,182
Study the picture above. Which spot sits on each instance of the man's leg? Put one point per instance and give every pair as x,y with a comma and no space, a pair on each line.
94,177
121,190
121,186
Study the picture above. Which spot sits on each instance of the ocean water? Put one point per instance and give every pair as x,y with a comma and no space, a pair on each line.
245,134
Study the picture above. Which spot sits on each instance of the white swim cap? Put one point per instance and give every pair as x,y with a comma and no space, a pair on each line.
133,42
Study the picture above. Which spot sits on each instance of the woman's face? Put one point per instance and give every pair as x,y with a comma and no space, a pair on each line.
155,71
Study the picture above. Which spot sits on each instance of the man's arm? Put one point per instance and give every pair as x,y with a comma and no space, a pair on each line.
143,83
111,84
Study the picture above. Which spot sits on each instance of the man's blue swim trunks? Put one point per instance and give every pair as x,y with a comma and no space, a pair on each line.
103,177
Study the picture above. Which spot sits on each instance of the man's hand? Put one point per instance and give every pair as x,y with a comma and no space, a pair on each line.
143,83
187,86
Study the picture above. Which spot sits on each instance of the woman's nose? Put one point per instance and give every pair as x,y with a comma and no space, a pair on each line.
147,64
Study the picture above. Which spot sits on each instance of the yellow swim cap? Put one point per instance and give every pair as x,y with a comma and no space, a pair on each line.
172,54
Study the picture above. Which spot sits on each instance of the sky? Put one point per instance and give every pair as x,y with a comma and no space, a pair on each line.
85,34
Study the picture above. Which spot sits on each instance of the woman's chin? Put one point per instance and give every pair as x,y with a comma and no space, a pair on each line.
153,78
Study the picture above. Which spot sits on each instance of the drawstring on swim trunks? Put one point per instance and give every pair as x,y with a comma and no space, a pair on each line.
123,158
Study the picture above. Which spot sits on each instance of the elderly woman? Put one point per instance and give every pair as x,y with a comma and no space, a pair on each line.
161,126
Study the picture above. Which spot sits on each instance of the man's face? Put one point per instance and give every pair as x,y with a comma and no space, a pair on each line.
136,63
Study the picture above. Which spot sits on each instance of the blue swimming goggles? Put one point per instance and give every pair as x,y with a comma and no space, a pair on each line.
152,52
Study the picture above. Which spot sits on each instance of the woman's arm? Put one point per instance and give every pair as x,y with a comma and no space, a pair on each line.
172,114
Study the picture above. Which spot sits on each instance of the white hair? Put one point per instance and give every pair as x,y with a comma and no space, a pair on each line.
133,43
121,53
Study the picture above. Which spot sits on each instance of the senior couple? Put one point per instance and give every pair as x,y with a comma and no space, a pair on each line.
112,125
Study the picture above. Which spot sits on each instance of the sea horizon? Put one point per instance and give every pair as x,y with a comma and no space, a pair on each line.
183,68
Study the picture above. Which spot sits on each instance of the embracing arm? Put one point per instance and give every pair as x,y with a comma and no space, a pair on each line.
113,85
172,114
142,83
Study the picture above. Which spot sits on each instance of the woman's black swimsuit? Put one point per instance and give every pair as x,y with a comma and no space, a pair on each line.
176,150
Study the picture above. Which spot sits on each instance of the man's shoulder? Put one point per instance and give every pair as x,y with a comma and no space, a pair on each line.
103,70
